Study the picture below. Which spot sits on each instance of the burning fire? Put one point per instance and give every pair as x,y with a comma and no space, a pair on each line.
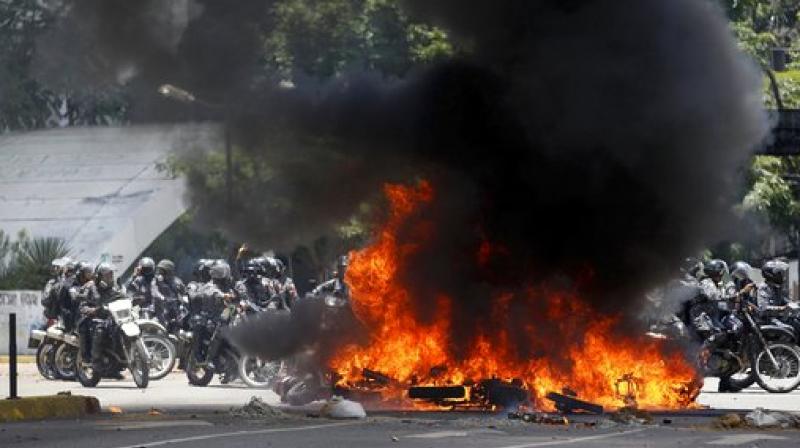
598,364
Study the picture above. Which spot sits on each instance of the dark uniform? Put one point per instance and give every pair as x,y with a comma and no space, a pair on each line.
95,319
167,292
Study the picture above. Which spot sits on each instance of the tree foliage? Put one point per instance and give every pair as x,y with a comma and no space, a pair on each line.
25,262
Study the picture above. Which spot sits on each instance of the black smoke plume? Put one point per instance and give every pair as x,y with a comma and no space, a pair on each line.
595,142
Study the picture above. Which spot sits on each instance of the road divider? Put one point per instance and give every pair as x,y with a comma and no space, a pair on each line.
48,407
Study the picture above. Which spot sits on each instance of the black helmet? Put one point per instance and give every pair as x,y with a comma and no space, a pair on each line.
261,264
251,269
271,267
104,273
220,270
69,266
199,271
774,272
85,271
57,266
740,273
147,266
167,267
715,268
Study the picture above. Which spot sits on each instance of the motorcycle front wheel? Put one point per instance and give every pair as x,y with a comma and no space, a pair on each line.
782,376
198,375
44,358
258,373
64,358
87,375
139,364
162,355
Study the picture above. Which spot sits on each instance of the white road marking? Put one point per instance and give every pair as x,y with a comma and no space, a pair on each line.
113,426
741,439
574,440
437,435
445,434
153,443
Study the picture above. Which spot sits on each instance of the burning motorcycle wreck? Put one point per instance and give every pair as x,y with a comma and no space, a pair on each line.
368,344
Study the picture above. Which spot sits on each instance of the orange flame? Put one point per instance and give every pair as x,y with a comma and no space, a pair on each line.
411,352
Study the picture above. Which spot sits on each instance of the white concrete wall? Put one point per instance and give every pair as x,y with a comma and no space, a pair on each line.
28,306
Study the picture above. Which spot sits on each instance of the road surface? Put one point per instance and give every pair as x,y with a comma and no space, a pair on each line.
200,417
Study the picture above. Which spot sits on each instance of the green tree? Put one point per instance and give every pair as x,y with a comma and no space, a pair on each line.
25,262
320,39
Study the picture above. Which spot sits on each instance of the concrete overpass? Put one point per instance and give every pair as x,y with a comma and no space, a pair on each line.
102,189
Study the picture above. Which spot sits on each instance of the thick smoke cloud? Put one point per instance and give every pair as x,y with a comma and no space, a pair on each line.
590,143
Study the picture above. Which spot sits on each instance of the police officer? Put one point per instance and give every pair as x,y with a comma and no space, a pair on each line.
709,311
67,307
220,297
770,296
140,285
51,289
201,274
251,290
167,291
89,312
280,288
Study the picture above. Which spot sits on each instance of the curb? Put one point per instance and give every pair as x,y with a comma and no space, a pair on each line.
48,407
21,359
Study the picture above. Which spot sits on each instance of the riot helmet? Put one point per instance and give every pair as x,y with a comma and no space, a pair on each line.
251,269
740,273
147,266
85,271
220,270
715,269
104,275
774,272
166,268
69,266
57,266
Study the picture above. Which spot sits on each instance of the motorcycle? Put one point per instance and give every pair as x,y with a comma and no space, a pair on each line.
257,372
764,354
160,343
300,380
45,347
125,348
54,358
210,351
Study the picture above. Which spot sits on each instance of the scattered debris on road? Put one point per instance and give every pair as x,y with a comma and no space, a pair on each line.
340,408
539,417
729,421
632,417
567,404
257,408
115,410
760,418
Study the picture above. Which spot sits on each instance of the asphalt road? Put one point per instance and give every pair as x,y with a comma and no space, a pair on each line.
200,417
417,431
